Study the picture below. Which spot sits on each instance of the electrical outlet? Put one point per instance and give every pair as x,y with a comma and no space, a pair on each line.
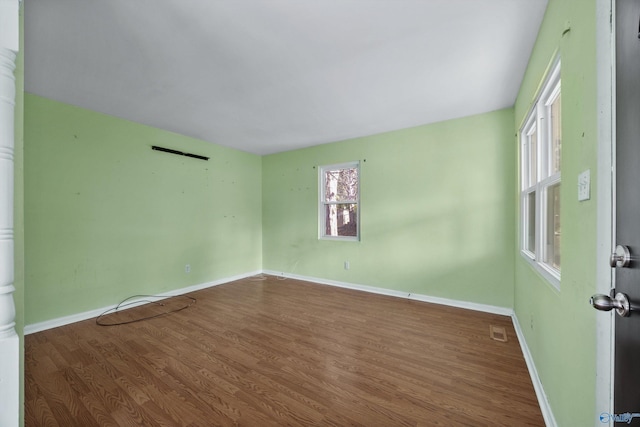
187,268
346,265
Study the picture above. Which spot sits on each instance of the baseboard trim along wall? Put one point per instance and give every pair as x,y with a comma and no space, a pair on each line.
504,311
547,414
61,321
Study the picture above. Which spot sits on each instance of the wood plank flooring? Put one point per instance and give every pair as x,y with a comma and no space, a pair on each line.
281,352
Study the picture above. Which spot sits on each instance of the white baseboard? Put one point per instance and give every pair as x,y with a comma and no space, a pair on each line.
545,408
61,321
504,311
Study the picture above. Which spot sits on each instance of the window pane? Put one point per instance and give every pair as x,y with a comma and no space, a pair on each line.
531,222
533,157
553,234
341,185
556,136
341,220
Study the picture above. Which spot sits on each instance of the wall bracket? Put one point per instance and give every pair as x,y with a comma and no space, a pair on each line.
180,153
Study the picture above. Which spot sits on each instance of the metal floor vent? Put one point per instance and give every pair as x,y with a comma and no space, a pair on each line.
498,333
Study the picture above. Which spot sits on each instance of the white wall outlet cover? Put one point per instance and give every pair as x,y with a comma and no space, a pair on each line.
584,185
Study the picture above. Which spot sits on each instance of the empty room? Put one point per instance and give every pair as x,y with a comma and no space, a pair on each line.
331,213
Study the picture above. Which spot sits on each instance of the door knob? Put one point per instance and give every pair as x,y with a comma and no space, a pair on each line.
605,303
621,257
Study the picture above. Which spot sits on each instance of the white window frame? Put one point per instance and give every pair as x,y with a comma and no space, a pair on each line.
323,202
538,122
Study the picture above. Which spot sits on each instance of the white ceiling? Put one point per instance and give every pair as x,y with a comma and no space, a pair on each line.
266,76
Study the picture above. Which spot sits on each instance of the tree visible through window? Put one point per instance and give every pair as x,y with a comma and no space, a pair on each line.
339,201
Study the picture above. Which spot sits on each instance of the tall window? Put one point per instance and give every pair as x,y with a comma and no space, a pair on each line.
339,207
540,155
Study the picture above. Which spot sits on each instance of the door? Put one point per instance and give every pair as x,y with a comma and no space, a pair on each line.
627,335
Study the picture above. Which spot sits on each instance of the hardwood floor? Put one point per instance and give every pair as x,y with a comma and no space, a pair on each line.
281,352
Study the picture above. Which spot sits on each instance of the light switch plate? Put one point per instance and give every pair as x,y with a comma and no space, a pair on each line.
584,185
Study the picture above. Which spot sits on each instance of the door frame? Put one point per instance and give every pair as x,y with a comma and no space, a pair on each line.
605,230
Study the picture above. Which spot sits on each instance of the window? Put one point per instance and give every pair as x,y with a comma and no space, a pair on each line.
540,155
339,207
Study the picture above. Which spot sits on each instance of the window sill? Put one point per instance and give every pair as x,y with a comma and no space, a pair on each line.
551,276
340,238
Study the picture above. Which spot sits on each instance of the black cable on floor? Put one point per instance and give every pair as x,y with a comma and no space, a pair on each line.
124,304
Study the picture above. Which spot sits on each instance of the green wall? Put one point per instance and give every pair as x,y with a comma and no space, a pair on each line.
437,208
559,326
107,217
